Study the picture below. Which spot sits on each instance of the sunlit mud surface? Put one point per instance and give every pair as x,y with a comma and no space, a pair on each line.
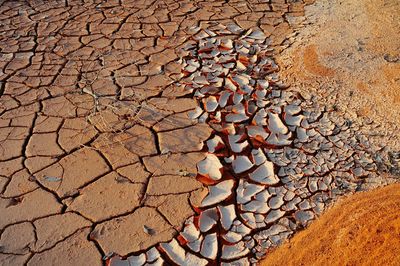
159,132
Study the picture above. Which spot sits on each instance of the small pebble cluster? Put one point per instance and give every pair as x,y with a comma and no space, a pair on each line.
275,159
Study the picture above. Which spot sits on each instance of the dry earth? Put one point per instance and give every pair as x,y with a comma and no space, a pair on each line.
362,229
349,54
97,152
95,140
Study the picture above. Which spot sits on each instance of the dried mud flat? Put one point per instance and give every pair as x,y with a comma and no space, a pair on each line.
150,133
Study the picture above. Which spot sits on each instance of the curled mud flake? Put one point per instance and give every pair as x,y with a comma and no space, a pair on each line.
109,257
218,193
210,103
193,30
241,164
232,237
208,219
179,256
229,84
257,132
210,167
137,260
209,247
223,99
276,125
236,143
235,251
215,144
228,215
242,80
195,114
273,216
304,217
236,118
258,156
153,255
257,35
264,174
190,232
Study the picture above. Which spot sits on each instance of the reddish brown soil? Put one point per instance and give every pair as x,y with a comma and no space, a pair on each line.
312,63
363,229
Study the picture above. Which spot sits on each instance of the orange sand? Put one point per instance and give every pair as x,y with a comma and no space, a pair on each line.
363,229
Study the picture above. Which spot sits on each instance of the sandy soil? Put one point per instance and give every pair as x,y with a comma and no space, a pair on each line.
363,229
349,54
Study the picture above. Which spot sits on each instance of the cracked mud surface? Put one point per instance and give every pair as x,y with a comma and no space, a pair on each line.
94,134
98,154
